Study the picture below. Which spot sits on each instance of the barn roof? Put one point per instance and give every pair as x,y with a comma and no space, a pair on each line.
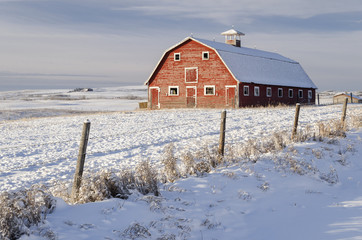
348,95
255,66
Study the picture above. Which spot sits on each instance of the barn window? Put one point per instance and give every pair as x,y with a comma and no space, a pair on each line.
173,91
209,90
205,55
256,91
310,95
300,94
191,75
268,92
177,56
290,93
280,92
246,90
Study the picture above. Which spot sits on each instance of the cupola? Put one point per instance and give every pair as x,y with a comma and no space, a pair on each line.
233,37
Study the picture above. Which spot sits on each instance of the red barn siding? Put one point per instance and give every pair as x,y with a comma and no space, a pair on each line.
211,72
264,100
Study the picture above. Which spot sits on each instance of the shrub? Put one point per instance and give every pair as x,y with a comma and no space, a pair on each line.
146,179
170,163
22,209
188,161
109,184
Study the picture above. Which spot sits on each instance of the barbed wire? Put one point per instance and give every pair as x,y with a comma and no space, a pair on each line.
102,136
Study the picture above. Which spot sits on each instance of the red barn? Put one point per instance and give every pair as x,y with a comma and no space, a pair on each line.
201,73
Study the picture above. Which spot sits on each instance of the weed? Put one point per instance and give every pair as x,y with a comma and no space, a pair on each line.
135,231
170,163
331,177
146,179
22,209
188,161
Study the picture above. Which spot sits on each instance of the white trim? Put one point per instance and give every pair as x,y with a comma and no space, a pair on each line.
227,87
290,90
186,39
169,91
209,86
256,95
280,96
149,93
179,57
246,87
194,87
197,74
271,92
208,55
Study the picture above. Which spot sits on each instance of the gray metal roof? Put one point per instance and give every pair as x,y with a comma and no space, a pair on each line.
260,67
255,66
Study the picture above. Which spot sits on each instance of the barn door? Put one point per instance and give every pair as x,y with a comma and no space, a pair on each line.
191,97
230,96
154,97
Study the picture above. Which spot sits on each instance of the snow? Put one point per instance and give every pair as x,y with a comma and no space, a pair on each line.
255,66
262,200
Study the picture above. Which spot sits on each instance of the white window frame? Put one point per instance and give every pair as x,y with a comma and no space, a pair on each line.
203,55
171,94
310,94
290,91
267,89
248,92
256,91
209,86
179,57
280,90
197,74
300,93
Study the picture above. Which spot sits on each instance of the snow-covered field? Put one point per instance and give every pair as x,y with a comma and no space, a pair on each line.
259,200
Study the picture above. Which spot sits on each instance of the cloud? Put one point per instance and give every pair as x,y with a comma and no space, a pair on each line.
232,10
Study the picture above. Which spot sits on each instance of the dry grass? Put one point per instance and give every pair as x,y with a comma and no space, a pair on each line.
169,161
109,184
22,209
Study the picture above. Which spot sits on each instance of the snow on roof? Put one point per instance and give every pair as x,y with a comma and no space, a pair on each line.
348,95
232,32
252,65
256,66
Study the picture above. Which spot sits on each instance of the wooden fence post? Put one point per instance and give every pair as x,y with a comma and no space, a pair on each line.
222,133
318,98
296,117
344,112
351,98
81,158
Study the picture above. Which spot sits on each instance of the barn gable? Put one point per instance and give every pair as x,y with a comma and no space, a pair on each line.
201,73
255,66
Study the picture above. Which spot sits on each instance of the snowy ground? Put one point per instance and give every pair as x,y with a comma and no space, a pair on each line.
231,203
264,200
40,103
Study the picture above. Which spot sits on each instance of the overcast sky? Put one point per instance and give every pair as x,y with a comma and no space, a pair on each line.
94,43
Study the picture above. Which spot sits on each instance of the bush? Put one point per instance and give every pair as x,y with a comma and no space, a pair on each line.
109,184
22,209
146,179
170,163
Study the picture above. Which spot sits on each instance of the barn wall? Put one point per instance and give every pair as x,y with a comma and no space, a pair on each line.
210,72
263,100
341,98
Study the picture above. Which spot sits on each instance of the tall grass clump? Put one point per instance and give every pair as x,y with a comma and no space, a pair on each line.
20,210
98,186
146,179
169,161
